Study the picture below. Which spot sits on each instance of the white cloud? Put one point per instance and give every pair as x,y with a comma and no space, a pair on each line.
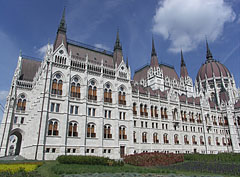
42,51
3,95
187,23
101,46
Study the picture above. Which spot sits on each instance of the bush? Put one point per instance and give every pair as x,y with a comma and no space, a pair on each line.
20,173
221,157
15,167
88,160
153,159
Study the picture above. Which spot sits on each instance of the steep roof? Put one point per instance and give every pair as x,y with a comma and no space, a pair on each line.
169,71
29,68
95,55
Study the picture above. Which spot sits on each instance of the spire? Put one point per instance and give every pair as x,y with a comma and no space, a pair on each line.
61,33
127,62
153,48
182,60
154,59
117,43
209,54
62,25
183,72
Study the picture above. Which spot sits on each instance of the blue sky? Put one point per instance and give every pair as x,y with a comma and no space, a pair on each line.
175,24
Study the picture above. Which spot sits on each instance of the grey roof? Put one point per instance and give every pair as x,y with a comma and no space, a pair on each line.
29,68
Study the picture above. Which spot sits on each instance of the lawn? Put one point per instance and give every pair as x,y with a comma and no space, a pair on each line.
214,165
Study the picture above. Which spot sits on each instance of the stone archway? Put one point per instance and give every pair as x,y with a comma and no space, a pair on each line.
15,141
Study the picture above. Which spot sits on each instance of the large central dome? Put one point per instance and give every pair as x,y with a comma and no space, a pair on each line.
212,68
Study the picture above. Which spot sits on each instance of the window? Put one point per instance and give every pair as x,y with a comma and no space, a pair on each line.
75,88
22,120
209,140
151,111
15,120
91,130
89,111
165,138
107,114
53,150
57,107
145,110
134,137
47,150
144,137
76,109
71,109
57,84
107,93
21,105
122,133
186,139
107,131
141,109
194,140
121,96
52,107
176,141
92,91
93,112
134,109
201,140
156,112
53,127
155,138
135,123
72,129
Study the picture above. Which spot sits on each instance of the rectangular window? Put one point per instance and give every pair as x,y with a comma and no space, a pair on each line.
89,111
105,114
163,126
120,115
156,125
15,120
22,120
57,107
52,107
124,115
87,151
53,150
76,109
146,124
142,124
92,150
74,150
152,125
93,112
109,114
47,150
166,126
135,122
68,150
71,109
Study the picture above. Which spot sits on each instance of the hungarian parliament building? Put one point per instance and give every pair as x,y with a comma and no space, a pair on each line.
82,100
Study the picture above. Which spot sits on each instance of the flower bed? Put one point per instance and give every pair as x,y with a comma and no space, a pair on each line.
15,167
153,159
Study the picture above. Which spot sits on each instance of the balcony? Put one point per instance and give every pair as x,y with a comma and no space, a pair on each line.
108,100
91,97
166,141
141,113
91,135
122,102
195,142
135,113
146,114
202,143
218,144
214,123
199,121
176,142
108,136
156,115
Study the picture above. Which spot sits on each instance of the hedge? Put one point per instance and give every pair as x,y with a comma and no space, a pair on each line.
88,160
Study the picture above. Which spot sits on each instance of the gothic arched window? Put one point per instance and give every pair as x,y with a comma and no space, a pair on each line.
92,90
91,130
72,129
21,104
107,93
122,132
75,88
107,131
121,96
53,128
57,84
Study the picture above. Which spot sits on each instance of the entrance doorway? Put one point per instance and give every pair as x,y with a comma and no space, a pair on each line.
15,141
122,151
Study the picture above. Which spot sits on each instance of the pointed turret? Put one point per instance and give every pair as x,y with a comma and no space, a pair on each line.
117,52
127,62
184,72
117,43
61,33
154,59
209,53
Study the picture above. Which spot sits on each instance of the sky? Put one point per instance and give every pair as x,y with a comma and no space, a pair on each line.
28,26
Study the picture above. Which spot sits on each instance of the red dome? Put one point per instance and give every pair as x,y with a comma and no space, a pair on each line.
211,67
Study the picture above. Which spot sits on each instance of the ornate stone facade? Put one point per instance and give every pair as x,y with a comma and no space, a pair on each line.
81,100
